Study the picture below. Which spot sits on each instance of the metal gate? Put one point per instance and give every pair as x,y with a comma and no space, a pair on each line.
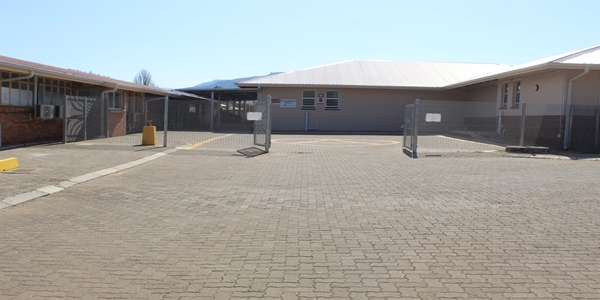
262,123
410,129
85,119
190,124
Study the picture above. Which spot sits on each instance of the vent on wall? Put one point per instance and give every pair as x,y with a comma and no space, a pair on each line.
44,111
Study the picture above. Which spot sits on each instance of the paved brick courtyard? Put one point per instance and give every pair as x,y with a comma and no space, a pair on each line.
320,217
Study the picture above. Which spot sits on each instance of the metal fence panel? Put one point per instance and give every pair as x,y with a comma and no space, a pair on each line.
262,126
409,143
461,126
84,119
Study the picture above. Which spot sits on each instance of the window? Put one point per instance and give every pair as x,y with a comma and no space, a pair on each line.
517,100
115,100
89,94
308,99
505,96
18,92
53,92
332,100
139,103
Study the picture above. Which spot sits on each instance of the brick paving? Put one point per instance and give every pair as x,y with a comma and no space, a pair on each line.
320,217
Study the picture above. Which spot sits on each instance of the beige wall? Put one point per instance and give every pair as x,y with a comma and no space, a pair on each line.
547,100
551,97
359,109
586,89
482,94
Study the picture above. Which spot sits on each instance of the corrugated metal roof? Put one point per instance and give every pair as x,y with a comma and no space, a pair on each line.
583,57
588,56
371,73
55,72
403,74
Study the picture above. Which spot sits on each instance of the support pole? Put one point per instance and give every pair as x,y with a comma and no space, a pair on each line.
212,109
65,118
415,128
268,129
523,116
85,127
166,126
596,148
219,113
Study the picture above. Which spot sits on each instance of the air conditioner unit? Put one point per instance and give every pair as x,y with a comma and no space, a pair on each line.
44,111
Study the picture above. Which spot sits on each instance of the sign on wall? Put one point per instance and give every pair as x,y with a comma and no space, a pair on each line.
288,103
321,99
433,118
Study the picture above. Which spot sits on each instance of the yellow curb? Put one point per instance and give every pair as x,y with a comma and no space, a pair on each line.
8,164
196,145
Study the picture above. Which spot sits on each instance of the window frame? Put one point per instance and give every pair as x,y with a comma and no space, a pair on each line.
517,94
328,99
16,92
112,101
305,98
49,91
504,99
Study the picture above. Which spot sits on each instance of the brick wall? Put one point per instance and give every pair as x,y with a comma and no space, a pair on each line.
19,127
117,123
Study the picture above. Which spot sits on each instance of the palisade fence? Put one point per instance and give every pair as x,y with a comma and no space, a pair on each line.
433,127
188,123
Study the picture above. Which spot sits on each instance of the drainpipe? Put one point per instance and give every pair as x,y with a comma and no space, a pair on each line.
114,90
306,122
567,137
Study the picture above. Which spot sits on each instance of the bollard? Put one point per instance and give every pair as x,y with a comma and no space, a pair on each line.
149,135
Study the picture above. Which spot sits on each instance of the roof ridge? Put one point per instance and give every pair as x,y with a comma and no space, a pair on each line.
576,54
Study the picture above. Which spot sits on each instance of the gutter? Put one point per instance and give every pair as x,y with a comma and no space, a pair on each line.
567,138
31,73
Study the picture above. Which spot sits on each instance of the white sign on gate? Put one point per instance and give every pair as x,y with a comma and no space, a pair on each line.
288,103
433,118
254,116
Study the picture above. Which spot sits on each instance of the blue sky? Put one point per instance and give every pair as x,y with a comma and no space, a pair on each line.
183,43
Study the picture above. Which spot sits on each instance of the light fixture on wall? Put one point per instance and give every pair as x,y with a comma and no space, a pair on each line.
536,87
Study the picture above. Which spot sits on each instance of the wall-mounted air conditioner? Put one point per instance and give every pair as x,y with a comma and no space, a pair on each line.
44,111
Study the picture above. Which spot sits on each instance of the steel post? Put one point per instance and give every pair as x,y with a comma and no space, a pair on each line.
415,129
523,116
212,109
166,120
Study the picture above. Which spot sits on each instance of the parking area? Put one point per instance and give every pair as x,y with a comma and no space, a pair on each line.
318,217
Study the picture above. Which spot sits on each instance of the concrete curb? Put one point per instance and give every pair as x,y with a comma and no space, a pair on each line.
17,199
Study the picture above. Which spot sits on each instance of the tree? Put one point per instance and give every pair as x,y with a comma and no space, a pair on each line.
144,77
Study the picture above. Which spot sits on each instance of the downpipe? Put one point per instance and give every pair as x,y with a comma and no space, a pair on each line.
567,137
306,123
